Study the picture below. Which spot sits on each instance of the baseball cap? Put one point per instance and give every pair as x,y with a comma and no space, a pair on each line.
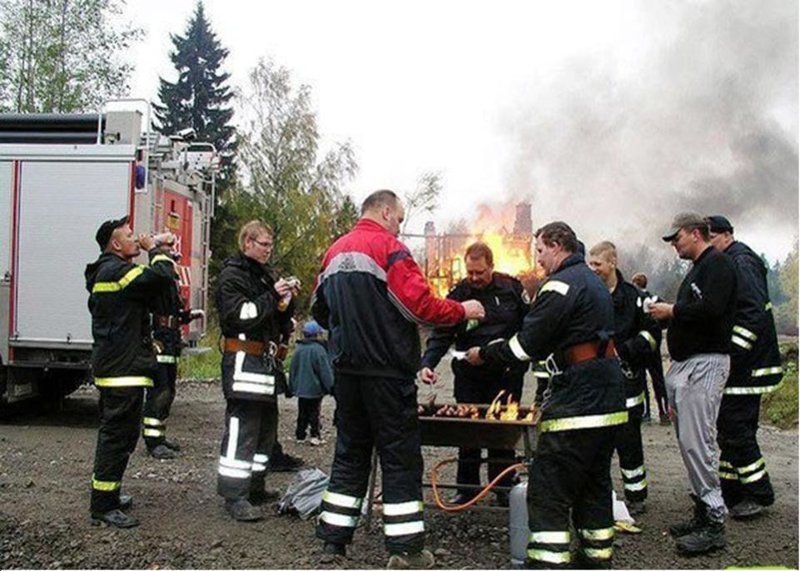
311,329
718,223
107,229
684,220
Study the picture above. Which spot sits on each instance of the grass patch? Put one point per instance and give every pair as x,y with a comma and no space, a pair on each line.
206,365
781,406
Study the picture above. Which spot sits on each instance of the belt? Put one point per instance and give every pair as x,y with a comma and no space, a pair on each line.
588,351
167,321
256,348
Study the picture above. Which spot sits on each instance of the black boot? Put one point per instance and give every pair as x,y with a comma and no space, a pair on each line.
697,521
703,540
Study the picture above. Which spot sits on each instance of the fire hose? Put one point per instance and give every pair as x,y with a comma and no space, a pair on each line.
520,467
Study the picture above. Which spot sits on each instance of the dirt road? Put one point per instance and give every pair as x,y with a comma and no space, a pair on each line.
46,462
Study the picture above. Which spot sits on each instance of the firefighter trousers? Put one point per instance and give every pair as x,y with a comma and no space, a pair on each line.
250,432
120,418
571,471
655,367
742,470
631,457
379,412
157,404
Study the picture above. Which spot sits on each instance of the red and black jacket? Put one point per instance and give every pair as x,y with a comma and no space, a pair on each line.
370,295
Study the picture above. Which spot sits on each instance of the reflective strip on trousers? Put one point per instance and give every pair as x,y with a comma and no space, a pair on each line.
341,500
550,537
150,421
743,343
168,359
650,339
757,476
636,486
579,422
405,508
743,332
117,382
750,467
550,556
153,432
406,528
634,401
105,486
601,534
598,554
338,520
630,474
753,390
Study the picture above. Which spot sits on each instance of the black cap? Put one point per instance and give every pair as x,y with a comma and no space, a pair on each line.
107,229
719,224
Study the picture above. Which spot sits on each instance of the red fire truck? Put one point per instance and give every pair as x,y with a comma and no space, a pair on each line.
60,177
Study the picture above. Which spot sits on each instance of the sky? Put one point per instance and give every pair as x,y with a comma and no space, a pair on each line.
612,116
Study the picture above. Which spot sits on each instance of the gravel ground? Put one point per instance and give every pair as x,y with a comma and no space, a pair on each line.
45,467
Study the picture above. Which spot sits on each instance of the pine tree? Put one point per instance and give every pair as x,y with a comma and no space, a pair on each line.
199,97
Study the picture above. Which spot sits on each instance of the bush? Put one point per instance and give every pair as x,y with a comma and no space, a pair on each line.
780,407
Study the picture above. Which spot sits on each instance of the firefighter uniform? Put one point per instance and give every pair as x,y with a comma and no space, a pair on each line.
571,323
168,315
755,370
635,339
505,309
370,295
252,325
123,361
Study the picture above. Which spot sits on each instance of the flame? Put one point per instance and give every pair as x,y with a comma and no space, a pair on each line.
512,257
512,409
493,412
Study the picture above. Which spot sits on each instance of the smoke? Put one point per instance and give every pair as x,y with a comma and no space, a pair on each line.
700,115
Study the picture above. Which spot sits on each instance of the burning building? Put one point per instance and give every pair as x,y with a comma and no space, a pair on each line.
507,231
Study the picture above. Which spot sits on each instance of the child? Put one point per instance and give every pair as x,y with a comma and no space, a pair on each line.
310,378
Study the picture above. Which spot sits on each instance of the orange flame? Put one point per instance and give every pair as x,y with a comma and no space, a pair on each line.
512,409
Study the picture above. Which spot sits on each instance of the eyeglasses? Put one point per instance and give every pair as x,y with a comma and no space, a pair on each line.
263,244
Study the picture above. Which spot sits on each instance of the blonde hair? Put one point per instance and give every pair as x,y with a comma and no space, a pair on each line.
253,230
602,247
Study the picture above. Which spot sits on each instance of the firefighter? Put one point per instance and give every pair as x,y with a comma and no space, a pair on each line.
255,310
635,339
370,295
698,338
505,301
123,360
571,324
755,370
168,314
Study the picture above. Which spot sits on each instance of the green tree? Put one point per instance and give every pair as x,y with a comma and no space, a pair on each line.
786,313
288,185
62,56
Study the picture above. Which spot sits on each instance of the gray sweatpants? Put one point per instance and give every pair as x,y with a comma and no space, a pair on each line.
694,390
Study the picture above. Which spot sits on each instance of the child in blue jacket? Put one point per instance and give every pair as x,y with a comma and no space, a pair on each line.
310,378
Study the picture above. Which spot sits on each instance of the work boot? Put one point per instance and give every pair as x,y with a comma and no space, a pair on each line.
746,509
264,496
285,463
162,452
698,520
172,445
242,510
413,560
702,540
332,553
114,518
636,508
125,502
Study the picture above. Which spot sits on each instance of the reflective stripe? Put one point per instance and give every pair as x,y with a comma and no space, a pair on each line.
578,422
768,306
767,371
550,537
598,534
407,528
741,342
650,339
239,374
341,500
750,479
636,486
123,381
752,390
248,311
150,421
599,554
632,473
728,475
160,258
746,333
252,388
233,439
541,375
263,458
233,472
166,358
258,467
550,556
105,486
405,508
125,281
517,349
634,401
338,519
233,463
556,286
153,432
725,464
749,468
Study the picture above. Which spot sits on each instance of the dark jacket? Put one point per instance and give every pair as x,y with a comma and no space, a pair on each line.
572,307
635,335
168,304
755,355
310,374
371,295
248,310
705,308
120,293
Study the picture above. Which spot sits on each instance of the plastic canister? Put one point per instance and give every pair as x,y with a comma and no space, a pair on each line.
518,531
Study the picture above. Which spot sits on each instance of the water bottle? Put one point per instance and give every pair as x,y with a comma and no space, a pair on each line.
518,531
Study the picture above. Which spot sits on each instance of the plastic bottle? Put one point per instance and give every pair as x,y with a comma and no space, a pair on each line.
518,531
